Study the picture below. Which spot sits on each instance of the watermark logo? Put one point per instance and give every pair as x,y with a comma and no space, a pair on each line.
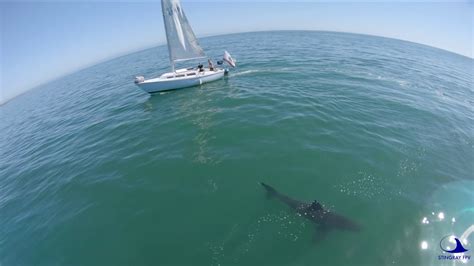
454,246
459,247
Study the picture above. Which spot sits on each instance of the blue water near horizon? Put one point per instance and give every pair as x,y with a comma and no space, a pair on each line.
124,54
45,84
94,171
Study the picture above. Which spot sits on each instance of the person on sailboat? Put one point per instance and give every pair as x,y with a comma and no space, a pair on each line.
201,68
211,65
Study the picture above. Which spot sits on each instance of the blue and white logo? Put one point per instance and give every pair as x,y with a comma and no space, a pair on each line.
454,246
445,246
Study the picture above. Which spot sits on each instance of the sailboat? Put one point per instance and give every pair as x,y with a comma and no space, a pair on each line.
182,46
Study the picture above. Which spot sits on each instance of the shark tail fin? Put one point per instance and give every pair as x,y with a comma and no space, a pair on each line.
270,191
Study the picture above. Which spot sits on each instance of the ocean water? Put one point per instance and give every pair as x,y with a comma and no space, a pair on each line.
93,171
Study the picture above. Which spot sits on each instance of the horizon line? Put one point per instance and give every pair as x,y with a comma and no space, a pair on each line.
125,53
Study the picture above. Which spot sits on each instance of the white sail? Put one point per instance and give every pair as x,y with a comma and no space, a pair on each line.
182,43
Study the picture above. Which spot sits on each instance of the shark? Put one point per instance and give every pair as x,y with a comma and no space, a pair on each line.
324,219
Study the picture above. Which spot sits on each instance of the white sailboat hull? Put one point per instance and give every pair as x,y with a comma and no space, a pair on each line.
180,79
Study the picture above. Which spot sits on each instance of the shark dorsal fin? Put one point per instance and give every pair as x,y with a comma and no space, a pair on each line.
316,206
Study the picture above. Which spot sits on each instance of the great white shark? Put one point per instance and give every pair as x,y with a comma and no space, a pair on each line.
324,219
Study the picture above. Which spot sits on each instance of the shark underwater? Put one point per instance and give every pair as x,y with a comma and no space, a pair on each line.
325,219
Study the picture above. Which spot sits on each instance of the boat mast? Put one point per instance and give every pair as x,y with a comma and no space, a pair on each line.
163,11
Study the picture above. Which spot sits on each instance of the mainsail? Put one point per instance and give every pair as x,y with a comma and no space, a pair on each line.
182,43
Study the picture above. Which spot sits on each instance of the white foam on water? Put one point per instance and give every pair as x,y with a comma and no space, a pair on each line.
243,73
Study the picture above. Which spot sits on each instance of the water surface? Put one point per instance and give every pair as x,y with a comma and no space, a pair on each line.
94,171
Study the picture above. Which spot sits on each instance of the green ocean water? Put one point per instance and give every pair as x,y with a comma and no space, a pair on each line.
93,171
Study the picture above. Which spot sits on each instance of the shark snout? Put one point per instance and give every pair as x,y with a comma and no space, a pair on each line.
268,188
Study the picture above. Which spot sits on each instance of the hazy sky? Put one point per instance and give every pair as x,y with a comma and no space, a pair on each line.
41,41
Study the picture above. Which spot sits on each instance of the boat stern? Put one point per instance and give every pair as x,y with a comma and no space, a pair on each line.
139,79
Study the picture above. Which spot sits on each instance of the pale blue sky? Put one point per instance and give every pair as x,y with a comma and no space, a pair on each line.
41,41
